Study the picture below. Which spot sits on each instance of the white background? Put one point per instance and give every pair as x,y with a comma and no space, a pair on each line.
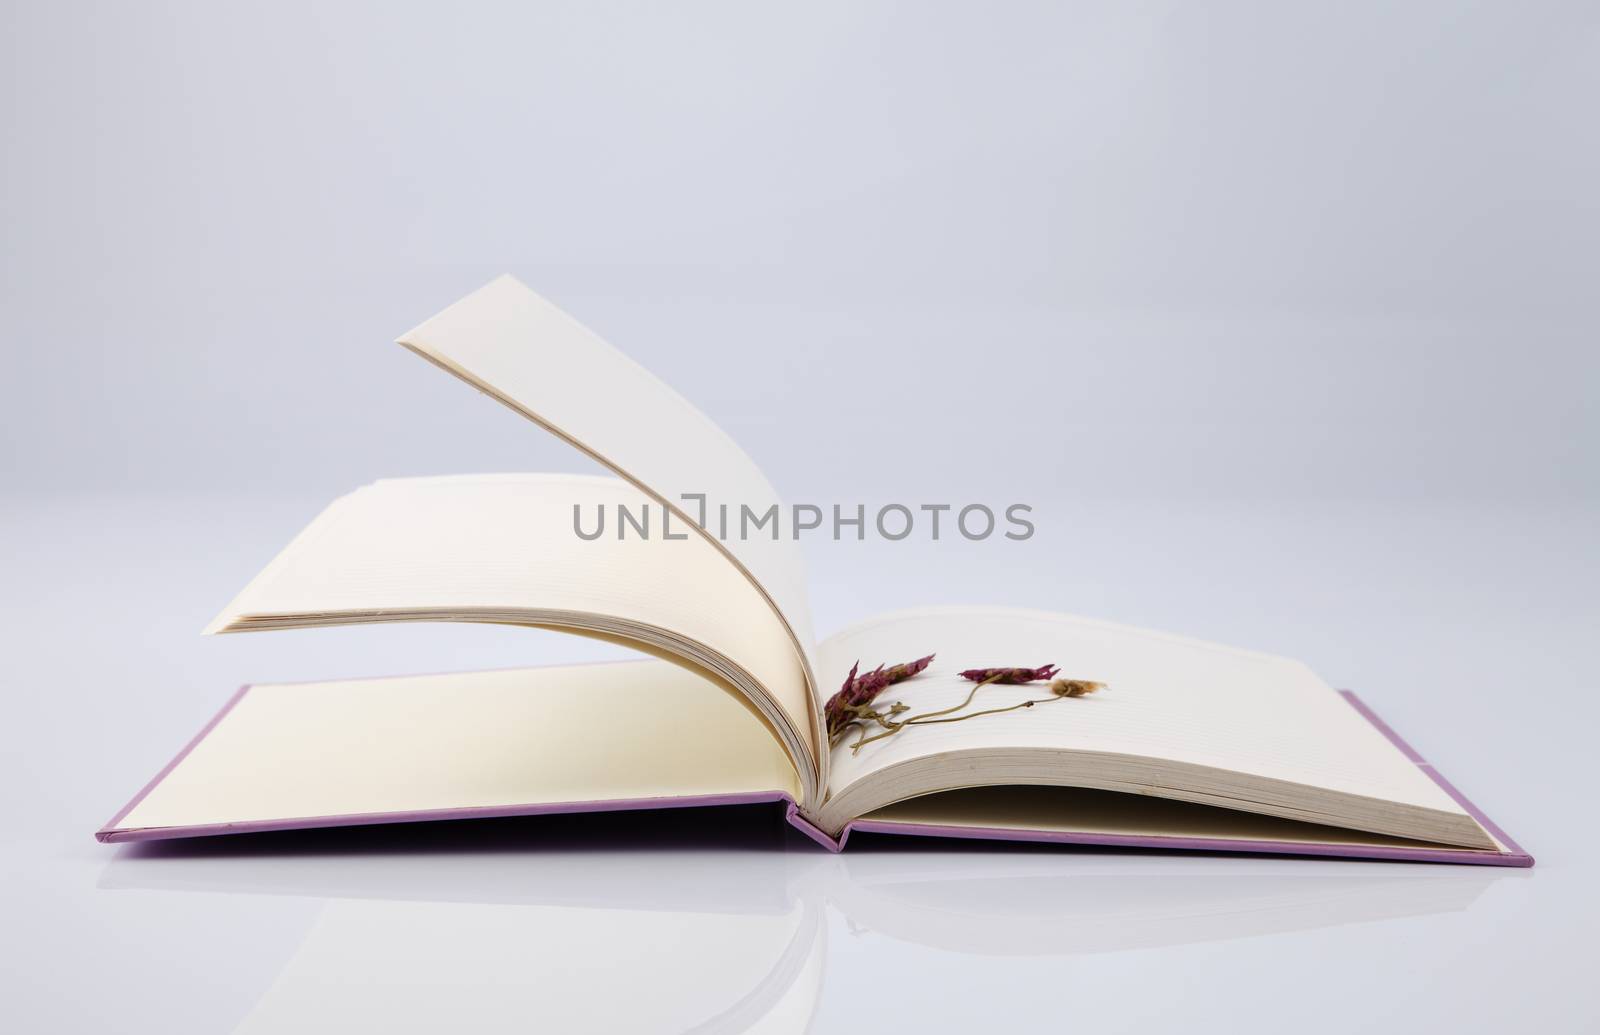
1283,320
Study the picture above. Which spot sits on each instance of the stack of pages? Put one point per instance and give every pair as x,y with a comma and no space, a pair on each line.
1197,746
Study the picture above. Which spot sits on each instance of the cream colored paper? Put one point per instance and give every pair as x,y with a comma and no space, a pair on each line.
515,346
1071,810
1182,719
503,548
585,733
1170,698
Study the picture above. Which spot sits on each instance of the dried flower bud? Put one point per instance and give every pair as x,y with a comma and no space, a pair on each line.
1010,675
860,691
1075,687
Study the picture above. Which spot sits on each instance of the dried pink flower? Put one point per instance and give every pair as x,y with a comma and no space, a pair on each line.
1010,675
849,704
852,707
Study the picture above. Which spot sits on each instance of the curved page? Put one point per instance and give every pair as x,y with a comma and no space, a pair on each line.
1169,699
504,548
513,345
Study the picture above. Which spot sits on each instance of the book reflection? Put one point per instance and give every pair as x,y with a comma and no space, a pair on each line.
720,922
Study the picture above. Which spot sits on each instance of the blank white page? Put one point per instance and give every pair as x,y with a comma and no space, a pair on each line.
469,740
1169,697
514,345
507,543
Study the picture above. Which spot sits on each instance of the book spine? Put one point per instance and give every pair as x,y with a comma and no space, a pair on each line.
798,820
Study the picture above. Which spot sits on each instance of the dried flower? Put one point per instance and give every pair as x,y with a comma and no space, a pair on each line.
1010,675
1075,687
857,716
851,705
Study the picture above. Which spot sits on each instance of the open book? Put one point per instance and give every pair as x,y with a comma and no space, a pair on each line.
1194,746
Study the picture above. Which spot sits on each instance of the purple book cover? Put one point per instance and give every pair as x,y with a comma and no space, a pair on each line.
1513,856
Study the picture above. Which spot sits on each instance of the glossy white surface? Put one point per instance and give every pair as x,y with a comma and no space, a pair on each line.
662,922
1288,254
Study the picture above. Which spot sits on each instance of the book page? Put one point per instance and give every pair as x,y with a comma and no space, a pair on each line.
1079,811
1168,697
515,346
468,740
501,547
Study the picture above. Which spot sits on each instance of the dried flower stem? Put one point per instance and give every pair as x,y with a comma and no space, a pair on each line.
1060,689
891,728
